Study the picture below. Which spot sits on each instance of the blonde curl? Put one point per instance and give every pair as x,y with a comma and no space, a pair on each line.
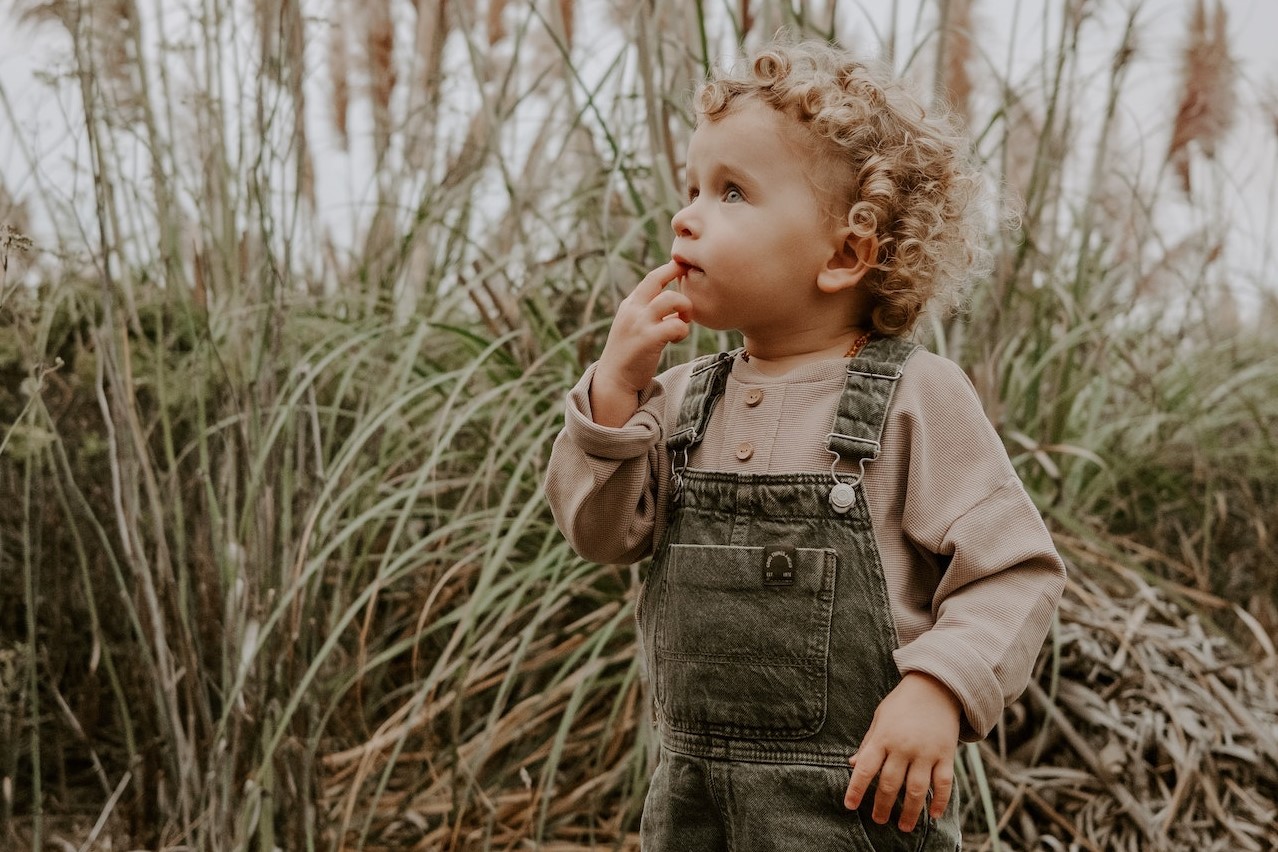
897,170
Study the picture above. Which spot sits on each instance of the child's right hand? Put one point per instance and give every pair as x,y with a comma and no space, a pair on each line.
648,319
910,748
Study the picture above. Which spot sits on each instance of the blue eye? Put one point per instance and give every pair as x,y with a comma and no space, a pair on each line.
693,193
733,195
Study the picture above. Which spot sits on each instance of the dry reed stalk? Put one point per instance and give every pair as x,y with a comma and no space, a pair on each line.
428,42
281,32
434,21
1178,266
1269,104
12,242
1023,134
15,216
112,25
14,226
1208,100
954,75
1123,217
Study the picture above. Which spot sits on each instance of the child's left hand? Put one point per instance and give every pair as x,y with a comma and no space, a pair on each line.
910,746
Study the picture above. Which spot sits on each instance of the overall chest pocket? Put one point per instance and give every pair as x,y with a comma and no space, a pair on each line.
742,639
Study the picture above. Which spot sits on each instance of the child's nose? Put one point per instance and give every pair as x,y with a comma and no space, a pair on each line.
683,222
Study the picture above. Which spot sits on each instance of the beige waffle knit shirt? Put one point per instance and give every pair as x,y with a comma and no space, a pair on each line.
971,571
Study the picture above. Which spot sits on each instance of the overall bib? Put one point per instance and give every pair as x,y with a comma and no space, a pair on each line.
768,636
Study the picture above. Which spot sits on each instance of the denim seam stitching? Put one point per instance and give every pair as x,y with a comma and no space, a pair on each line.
723,812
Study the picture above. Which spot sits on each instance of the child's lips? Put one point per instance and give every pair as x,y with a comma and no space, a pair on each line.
689,268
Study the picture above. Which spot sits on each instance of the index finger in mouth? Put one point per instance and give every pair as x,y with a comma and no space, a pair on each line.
656,280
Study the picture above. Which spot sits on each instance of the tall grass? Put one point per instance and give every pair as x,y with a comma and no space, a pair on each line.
278,570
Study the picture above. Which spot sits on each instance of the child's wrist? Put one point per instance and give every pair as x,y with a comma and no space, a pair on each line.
612,402
935,687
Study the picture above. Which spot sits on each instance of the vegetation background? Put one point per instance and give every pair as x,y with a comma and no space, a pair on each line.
275,569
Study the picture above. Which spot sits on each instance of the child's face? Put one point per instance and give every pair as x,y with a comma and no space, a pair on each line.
754,233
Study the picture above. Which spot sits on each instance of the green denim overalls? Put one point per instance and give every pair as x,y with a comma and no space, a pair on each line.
768,637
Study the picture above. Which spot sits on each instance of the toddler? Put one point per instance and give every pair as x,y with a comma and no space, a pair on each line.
848,577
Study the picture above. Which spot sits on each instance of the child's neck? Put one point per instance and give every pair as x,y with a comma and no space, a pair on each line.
780,356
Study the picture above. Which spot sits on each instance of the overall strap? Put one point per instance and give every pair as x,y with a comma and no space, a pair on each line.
705,386
871,382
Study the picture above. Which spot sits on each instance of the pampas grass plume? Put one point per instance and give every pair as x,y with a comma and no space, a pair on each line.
339,75
379,56
1208,100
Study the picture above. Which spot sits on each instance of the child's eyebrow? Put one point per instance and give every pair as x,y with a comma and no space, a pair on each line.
716,172
724,173
738,176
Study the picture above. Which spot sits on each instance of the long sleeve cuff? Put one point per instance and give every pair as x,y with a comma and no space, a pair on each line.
632,440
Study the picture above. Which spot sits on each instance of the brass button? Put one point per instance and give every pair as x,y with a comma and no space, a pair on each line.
753,397
744,450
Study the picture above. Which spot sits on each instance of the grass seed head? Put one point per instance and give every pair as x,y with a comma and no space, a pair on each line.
379,56
339,77
1208,100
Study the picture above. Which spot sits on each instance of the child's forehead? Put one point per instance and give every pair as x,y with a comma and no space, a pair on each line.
749,126
756,144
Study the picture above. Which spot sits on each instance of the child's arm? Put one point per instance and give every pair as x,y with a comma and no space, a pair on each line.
910,747
647,320
993,583
604,481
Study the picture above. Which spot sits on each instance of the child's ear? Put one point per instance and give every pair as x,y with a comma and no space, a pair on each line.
849,262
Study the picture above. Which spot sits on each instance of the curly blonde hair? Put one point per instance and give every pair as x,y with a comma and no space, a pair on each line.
901,172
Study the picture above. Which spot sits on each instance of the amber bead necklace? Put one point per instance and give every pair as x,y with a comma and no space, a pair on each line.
853,350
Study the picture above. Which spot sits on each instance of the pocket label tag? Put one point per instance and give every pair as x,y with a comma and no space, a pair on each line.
779,565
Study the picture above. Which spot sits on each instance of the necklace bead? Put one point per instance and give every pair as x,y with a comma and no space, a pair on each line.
853,350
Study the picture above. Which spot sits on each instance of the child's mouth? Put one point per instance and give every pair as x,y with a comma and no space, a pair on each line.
690,270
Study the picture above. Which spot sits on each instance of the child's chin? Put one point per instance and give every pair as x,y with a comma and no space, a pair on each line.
705,315
711,323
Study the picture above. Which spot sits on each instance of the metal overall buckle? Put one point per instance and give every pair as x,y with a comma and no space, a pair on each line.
843,493
676,474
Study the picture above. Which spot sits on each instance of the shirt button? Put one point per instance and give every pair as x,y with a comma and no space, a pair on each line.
753,397
745,450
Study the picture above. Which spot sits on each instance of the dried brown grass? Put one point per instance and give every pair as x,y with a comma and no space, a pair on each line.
1161,734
